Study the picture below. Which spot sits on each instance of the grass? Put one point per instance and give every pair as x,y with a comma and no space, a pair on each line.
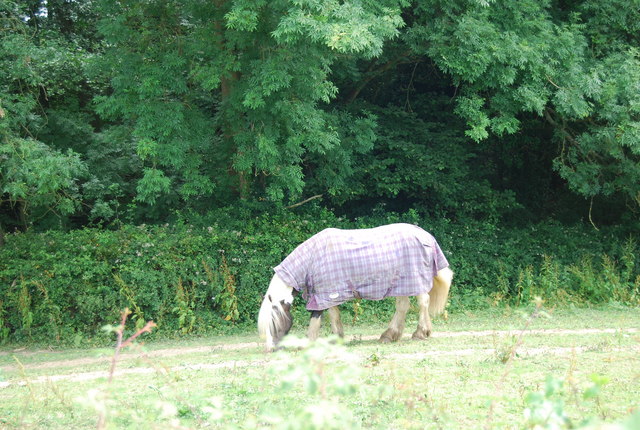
451,381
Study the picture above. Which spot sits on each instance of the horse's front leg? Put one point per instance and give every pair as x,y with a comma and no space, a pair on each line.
336,323
314,325
396,326
424,321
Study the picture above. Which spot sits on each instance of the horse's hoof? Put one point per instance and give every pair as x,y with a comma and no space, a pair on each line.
421,335
390,336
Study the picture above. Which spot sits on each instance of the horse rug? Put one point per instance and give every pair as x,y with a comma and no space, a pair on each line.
336,265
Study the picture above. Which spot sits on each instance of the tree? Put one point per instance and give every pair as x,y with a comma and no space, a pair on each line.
191,104
573,64
229,94
35,179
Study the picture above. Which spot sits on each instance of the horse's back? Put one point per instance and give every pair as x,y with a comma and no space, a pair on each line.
336,265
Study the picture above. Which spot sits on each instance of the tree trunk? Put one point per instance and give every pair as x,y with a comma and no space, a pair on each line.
227,83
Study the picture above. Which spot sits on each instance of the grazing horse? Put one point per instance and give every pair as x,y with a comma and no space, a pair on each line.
334,266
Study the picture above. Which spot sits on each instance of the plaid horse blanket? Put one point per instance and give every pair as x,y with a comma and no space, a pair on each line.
336,265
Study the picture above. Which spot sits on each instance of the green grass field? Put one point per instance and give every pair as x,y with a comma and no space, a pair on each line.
479,370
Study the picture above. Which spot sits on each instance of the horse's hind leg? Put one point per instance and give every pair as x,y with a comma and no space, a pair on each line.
396,326
314,325
424,322
336,323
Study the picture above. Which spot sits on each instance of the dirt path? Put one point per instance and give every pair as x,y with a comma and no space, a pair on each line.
230,363
171,352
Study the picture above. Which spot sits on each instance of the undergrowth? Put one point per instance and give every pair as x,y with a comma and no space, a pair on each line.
204,277
315,381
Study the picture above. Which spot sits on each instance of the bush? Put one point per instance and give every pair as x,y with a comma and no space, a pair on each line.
211,274
188,279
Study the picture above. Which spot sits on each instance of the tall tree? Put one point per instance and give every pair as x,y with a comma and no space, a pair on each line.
230,93
576,65
35,178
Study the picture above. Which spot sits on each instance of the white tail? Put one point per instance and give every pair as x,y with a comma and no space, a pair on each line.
440,291
270,320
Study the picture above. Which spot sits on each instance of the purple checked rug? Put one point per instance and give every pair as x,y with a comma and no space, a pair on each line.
336,265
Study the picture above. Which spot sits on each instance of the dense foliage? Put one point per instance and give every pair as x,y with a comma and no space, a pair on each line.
211,275
497,119
128,111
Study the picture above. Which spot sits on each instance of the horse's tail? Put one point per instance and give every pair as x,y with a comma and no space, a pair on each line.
440,291
272,317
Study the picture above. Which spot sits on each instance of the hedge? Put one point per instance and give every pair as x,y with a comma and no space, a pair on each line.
210,275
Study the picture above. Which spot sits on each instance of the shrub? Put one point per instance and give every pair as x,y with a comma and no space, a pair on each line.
211,274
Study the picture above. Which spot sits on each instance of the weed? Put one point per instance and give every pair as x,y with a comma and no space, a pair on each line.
4,330
602,346
593,392
589,279
356,308
55,316
24,305
503,352
227,298
184,308
545,409
506,357
120,344
524,285
26,380
323,389
150,260
127,292
550,277
628,259
337,386
100,399
503,286
373,360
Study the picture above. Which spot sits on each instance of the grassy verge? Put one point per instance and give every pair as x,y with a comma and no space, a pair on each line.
475,372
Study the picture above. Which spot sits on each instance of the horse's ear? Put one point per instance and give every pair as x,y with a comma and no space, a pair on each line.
294,293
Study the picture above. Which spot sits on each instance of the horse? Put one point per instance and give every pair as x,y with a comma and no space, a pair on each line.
335,265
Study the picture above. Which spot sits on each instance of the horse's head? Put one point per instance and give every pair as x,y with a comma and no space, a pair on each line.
274,319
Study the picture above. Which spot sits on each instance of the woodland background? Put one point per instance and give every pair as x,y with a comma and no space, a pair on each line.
152,153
